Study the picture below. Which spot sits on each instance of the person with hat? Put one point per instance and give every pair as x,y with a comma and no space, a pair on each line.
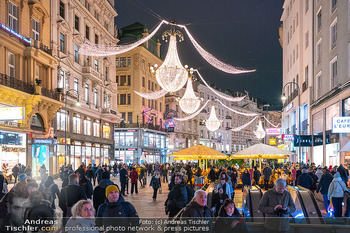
218,199
116,207
22,177
177,197
84,182
99,196
325,181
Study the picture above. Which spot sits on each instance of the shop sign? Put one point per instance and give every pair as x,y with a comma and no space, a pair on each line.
288,137
12,113
106,129
303,140
341,124
170,114
289,107
272,141
273,131
62,140
318,140
43,141
12,32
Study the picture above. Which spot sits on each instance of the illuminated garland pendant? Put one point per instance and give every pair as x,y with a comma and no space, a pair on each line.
213,123
189,103
260,132
171,75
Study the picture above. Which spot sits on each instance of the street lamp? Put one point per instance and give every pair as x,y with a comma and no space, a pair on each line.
65,123
284,98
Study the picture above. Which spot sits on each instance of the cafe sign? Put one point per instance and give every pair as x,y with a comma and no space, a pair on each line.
341,125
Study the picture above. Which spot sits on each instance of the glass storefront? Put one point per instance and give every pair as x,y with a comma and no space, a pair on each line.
12,149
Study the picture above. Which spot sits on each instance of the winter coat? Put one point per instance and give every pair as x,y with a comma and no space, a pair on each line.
218,200
212,175
124,211
122,173
325,181
256,176
245,179
276,221
223,223
70,195
86,184
305,180
194,210
155,182
99,196
267,173
344,174
74,224
337,187
227,189
90,174
134,176
314,183
177,199
319,174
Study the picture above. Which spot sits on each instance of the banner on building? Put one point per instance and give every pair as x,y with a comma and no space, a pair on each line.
288,137
12,113
273,131
341,124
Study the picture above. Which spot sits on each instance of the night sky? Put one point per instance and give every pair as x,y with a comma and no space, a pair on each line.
243,33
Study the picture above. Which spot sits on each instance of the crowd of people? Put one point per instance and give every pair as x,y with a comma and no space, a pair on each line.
88,196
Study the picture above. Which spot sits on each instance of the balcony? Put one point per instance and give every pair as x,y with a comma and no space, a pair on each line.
53,94
110,114
16,84
304,86
42,47
93,75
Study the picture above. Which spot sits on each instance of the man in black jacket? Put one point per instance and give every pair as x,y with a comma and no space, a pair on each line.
84,182
99,196
71,195
323,186
305,180
267,173
123,173
177,197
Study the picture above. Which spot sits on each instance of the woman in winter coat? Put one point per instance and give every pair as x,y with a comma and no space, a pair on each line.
326,180
82,218
225,186
155,183
229,219
51,189
245,179
336,192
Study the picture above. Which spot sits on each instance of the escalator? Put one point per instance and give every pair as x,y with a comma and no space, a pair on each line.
250,203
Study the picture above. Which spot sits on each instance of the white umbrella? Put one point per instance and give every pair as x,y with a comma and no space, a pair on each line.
346,148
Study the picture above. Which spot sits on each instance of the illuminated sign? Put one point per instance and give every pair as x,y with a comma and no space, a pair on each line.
170,123
289,107
303,140
61,140
288,137
148,116
272,141
341,124
12,32
273,131
12,113
43,141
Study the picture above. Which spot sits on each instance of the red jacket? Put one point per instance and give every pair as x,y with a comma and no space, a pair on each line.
134,176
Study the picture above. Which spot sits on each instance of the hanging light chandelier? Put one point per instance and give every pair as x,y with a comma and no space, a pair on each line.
171,75
260,132
213,123
189,103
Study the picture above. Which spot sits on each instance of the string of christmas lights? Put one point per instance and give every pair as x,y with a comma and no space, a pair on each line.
244,126
276,126
235,111
96,50
193,115
232,99
213,60
152,95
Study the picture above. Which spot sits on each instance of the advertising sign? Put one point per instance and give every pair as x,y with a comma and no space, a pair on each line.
273,131
9,30
303,140
341,124
272,141
288,137
12,113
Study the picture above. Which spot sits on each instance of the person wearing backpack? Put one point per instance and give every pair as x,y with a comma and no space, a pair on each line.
155,184
51,190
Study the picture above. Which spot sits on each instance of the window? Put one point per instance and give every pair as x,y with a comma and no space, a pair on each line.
62,80
62,9
152,86
87,126
87,32
76,124
129,98
160,106
149,85
61,120
122,99
334,71
96,97
86,93
334,5
76,53
96,39
333,33
296,51
37,72
11,72
143,64
122,80
123,62
143,81
76,85
129,80
106,100
319,84
96,128
36,29
76,22
177,108
129,117
62,43
106,73
319,20
143,101
106,130
96,65
123,116
117,62
319,51
13,16
297,19
129,61
117,79
306,6
307,75
307,39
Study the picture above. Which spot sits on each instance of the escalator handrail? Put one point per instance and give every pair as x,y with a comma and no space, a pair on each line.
313,201
301,203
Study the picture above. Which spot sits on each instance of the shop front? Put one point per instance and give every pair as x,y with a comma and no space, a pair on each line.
12,149
42,154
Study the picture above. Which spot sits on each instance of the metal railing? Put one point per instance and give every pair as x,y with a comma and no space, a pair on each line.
53,94
16,84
